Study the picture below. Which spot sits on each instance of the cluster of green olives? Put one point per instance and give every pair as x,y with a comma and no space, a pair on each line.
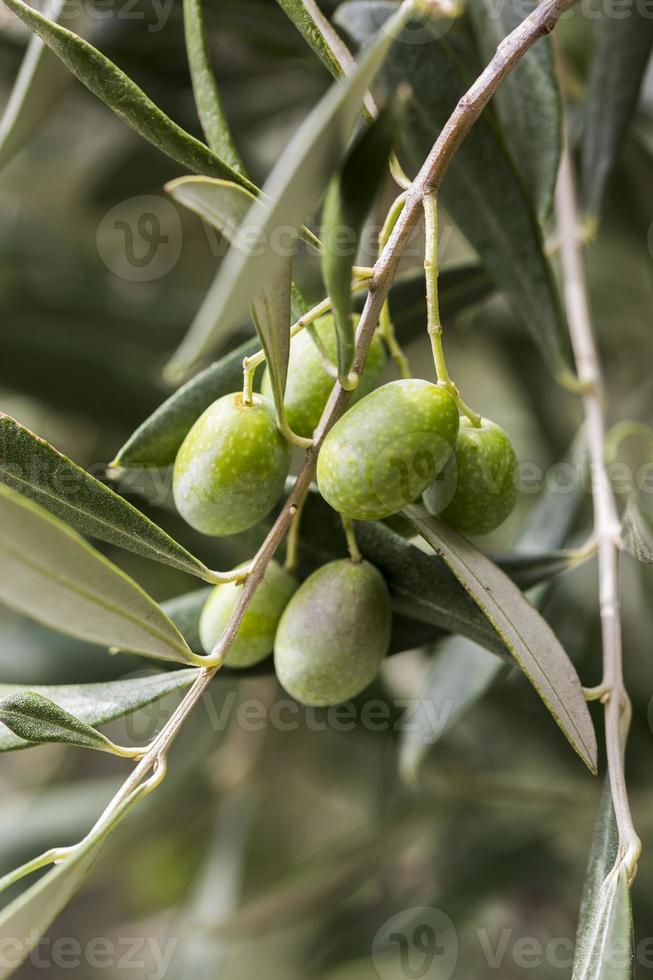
397,443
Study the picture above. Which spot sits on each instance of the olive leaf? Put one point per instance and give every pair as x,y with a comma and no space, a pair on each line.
637,532
528,101
348,202
26,919
526,634
462,672
205,88
36,720
271,312
157,441
225,205
622,47
292,191
220,202
481,190
307,18
97,703
39,84
52,575
604,941
37,470
125,98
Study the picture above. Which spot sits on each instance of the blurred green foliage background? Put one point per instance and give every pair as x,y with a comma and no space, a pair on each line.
271,851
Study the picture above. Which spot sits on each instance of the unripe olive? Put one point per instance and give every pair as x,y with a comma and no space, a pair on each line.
255,637
385,450
309,385
231,467
334,633
481,475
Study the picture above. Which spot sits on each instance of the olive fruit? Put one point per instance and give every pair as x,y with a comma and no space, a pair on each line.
255,637
231,467
334,633
484,468
386,450
309,385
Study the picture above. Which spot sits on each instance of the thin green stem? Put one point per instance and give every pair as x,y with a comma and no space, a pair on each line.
431,272
53,856
386,326
248,380
235,575
292,541
350,535
434,324
387,332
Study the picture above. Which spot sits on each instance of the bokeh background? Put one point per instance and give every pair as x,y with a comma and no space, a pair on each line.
286,852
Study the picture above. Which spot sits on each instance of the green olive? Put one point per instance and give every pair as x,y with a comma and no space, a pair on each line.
255,637
479,489
385,450
231,467
334,634
309,385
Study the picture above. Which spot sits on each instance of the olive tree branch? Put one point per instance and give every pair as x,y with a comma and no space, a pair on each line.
539,23
607,527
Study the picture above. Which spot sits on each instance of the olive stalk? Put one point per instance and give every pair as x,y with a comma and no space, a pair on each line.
434,324
611,691
350,535
539,23
386,326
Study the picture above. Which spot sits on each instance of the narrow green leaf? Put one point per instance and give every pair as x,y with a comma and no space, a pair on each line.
35,719
526,634
55,577
225,205
348,202
604,941
97,703
125,98
528,100
292,191
622,47
529,570
462,672
25,920
205,88
220,202
157,441
638,532
481,190
309,21
271,312
39,84
36,469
